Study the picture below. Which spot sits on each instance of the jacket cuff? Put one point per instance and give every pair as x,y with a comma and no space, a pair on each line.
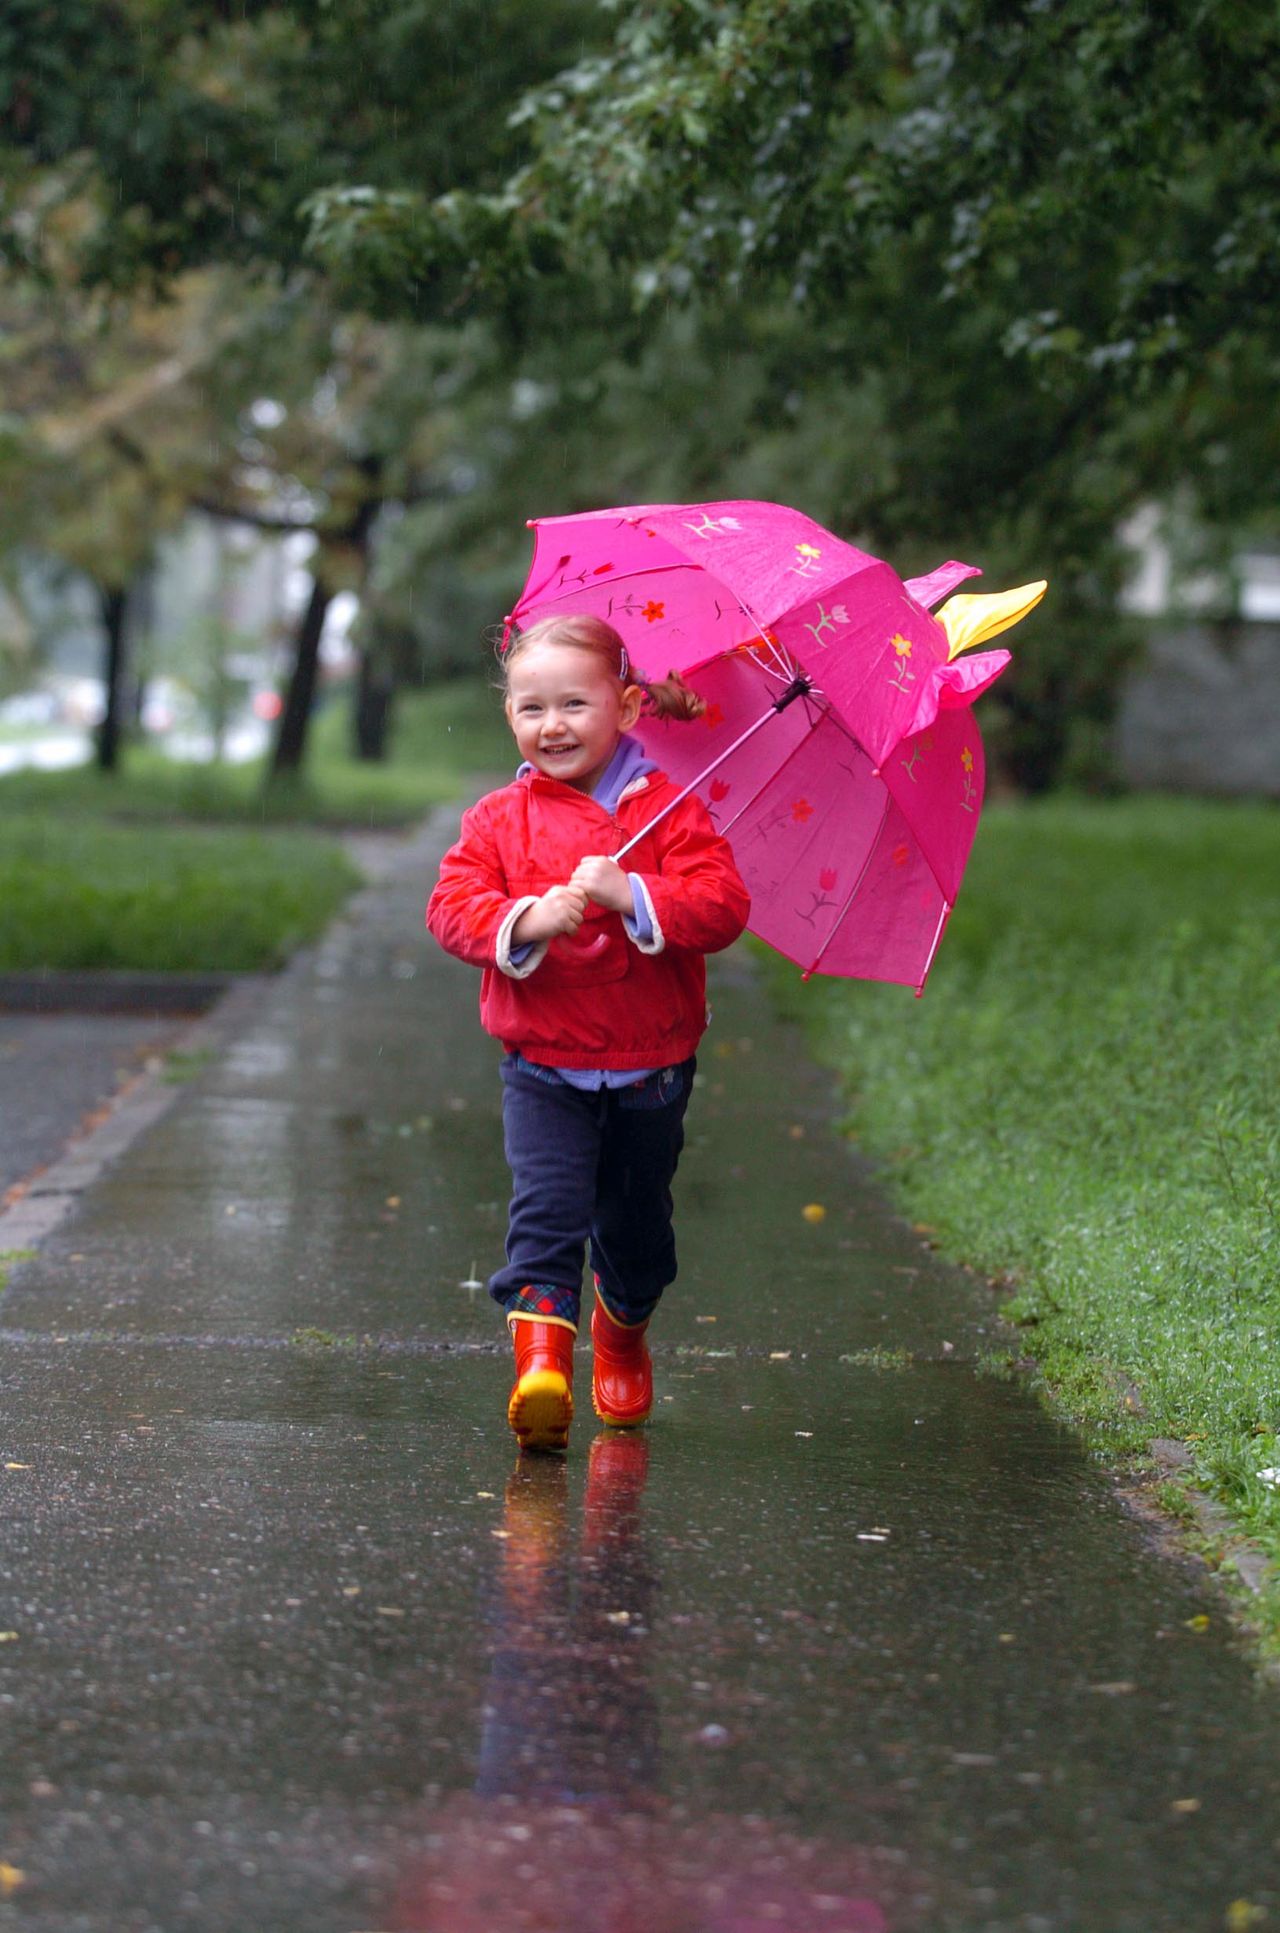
643,929
527,957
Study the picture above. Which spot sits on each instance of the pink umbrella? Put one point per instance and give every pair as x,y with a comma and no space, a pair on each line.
838,751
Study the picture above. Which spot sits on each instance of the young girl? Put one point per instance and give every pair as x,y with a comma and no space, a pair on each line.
594,982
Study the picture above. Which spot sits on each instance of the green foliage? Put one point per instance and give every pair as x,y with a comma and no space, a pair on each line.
1083,1107
197,133
96,896
958,278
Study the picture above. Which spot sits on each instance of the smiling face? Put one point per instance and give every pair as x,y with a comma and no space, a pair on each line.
568,711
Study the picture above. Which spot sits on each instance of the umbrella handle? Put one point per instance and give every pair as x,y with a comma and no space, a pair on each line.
796,689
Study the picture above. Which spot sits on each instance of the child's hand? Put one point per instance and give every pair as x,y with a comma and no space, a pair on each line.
560,910
604,881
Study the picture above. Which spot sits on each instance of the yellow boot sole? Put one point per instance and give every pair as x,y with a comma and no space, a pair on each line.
541,1410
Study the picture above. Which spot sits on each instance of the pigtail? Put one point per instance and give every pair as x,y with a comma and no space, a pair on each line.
671,697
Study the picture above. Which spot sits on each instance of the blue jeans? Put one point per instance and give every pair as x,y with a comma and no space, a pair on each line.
590,1169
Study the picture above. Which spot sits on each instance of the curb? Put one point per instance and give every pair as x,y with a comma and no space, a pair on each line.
50,991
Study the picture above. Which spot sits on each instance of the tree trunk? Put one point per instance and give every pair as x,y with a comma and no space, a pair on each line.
113,602
371,720
291,737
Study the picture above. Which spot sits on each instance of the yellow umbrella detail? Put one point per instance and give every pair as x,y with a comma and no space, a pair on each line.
973,618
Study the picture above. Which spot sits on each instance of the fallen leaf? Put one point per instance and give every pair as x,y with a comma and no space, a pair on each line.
804,1432
1241,1915
706,1318
11,1877
351,1590
813,1211
779,1355
388,1611
393,1201
17,1466
1198,1623
1185,1805
8,1637
1114,1688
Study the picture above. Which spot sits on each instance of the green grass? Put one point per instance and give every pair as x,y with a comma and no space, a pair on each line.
166,867
1084,1107
79,894
439,736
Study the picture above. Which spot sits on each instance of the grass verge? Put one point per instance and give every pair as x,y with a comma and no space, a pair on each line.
1083,1107
169,868
80,894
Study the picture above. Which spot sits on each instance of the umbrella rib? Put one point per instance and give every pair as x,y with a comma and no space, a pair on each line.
823,712
774,773
852,894
695,782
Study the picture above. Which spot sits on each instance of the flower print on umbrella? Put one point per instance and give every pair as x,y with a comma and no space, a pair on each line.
806,564
827,621
901,677
970,788
922,745
713,526
717,792
794,814
826,884
631,606
583,576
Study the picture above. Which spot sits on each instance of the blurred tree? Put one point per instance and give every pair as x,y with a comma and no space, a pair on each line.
102,445
1033,242
168,136
967,275
141,141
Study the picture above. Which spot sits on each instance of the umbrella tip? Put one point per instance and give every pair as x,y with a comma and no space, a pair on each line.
529,522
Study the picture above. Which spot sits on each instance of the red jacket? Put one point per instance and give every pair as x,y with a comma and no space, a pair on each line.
594,998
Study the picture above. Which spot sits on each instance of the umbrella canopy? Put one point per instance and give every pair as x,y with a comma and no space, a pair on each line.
852,810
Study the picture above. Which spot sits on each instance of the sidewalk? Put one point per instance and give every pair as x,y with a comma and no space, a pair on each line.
852,1638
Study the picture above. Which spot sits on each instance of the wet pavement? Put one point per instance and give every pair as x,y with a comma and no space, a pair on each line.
853,1638
60,1071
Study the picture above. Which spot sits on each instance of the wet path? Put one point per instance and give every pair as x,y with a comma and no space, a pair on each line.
853,1638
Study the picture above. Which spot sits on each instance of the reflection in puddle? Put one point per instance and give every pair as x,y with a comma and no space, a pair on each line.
567,1827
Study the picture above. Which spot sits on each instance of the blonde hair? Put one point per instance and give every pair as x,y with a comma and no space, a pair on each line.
668,697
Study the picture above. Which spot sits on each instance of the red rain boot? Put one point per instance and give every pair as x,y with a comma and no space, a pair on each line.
622,1375
541,1406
